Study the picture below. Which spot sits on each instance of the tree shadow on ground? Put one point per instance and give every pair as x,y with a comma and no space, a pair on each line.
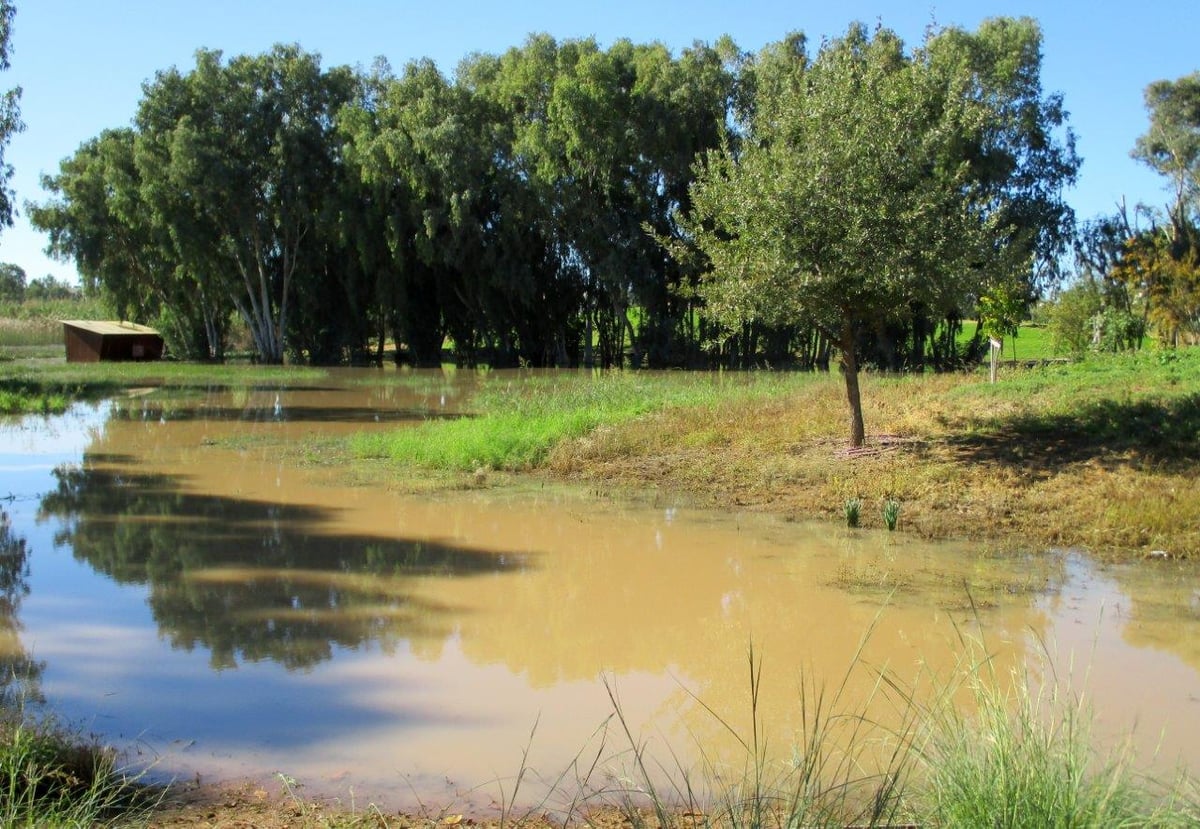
1163,434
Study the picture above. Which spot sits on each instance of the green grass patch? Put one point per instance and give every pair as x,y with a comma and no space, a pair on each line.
1022,753
1146,402
29,388
514,425
1032,342
50,777
28,395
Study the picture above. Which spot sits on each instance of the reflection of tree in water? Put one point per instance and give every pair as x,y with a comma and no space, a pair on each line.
19,674
251,579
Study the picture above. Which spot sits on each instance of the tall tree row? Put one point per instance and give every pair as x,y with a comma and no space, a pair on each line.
567,204
10,113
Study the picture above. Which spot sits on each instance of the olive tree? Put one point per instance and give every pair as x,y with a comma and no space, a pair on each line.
871,181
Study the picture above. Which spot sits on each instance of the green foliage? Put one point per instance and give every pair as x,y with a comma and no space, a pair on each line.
891,513
1071,316
1118,330
1171,146
49,777
12,283
10,113
870,181
1001,310
510,212
852,511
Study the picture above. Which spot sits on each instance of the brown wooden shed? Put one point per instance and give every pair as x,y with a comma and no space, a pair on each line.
90,342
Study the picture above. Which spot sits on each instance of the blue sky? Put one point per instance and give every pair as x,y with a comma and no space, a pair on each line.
82,62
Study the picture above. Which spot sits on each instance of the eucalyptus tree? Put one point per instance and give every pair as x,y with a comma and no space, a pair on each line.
605,138
870,180
10,113
1165,265
91,221
238,162
680,105
12,282
404,144
541,297
1171,145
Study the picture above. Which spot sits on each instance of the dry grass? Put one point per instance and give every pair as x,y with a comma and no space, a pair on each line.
965,461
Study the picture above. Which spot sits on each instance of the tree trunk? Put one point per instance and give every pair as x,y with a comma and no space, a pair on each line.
850,370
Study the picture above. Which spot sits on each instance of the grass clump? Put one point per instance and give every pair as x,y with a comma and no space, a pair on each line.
840,773
852,510
1021,754
891,514
49,777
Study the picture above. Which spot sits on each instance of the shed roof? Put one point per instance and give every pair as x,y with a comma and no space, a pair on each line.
109,328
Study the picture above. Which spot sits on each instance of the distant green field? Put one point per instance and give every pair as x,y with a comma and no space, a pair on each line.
1031,343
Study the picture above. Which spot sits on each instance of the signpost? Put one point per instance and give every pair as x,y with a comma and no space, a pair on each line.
997,345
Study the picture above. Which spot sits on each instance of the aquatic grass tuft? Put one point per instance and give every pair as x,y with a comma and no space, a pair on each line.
891,513
852,510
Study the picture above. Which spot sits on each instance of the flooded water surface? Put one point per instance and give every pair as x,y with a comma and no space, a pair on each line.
179,579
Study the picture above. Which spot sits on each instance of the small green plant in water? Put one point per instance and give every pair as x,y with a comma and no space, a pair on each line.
852,509
891,513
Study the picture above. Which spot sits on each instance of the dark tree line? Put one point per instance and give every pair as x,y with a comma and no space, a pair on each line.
534,209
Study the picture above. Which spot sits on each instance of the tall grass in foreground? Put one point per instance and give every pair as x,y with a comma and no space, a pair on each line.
844,772
1011,757
1026,758
516,424
51,778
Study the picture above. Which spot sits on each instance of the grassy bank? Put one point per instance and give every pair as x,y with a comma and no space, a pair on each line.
518,424
1101,454
53,778
27,387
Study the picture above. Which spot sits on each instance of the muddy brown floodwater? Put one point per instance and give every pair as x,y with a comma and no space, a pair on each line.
220,608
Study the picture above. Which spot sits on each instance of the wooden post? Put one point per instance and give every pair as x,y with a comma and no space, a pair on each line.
997,346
